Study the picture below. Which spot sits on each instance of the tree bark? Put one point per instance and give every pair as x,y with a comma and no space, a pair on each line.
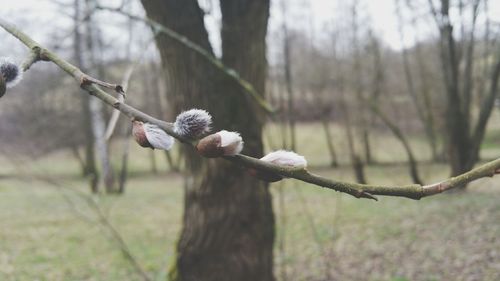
228,229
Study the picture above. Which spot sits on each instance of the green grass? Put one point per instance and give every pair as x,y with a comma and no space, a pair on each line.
51,233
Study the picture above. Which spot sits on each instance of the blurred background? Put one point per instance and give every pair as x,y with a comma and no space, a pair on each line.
387,92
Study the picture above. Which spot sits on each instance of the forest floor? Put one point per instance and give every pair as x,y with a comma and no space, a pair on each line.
51,229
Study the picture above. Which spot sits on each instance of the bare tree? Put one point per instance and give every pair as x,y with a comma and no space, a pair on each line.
228,221
463,135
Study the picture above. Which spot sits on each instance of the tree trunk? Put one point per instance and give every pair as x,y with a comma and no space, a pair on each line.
412,162
457,122
287,65
122,179
329,142
99,129
96,107
90,168
421,101
358,87
228,229
378,86
356,162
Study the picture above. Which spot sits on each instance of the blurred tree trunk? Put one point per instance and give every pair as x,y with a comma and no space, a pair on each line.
421,101
358,87
429,118
287,65
377,89
123,175
228,224
96,107
90,167
329,141
356,162
126,129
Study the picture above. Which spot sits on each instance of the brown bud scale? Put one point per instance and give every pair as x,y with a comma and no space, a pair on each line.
139,134
210,146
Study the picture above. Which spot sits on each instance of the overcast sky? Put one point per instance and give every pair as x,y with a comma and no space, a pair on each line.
40,16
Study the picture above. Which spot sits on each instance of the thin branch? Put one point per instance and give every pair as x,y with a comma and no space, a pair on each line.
413,191
157,27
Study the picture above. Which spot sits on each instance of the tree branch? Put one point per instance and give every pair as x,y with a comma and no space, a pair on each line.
413,191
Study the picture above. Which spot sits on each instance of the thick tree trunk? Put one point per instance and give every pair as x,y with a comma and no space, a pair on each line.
228,229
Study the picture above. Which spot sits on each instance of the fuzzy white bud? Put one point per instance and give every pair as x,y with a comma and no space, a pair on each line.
193,123
280,157
286,158
158,138
149,135
230,142
10,71
222,143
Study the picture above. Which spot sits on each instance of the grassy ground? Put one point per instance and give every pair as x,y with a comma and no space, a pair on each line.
51,232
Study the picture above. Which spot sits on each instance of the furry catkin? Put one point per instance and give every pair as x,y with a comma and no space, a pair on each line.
193,123
10,71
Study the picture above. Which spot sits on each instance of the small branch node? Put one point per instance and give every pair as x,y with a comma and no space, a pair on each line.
84,81
364,194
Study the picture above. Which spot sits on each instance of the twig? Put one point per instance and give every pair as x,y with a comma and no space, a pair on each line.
157,27
413,191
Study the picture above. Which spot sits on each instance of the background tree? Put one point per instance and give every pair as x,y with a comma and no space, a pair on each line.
228,224
464,132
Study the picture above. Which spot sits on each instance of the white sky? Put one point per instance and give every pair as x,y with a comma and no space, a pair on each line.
39,18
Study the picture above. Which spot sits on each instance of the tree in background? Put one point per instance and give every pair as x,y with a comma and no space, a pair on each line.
228,224
464,131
